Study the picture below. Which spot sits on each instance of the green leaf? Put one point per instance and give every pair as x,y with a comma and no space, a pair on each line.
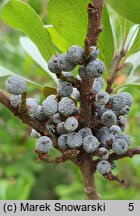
6,72
35,54
134,85
58,41
105,41
69,18
19,15
47,90
129,9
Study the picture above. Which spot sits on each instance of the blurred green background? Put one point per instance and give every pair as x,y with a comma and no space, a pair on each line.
21,175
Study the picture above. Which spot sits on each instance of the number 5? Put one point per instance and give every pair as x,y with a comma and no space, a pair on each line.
131,207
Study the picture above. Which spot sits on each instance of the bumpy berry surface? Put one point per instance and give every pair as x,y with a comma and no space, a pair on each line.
64,89
96,87
90,143
53,64
115,129
64,64
15,85
108,118
40,115
75,94
82,71
102,98
62,141
50,106
85,132
74,140
75,54
107,140
125,110
95,68
127,98
66,106
103,167
61,129
118,103
104,153
123,136
15,100
119,146
71,124
31,106
35,134
94,52
43,144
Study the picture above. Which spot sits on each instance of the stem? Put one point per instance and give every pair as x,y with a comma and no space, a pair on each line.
88,180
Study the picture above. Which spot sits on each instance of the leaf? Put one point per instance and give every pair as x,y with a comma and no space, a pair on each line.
70,19
19,15
35,54
58,41
134,85
105,41
6,72
129,9
47,90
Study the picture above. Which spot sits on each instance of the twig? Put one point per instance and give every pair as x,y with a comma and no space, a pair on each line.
22,106
112,177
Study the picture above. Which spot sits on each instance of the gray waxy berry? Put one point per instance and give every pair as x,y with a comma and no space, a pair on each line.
104,153
60,129
15,85
64,89
68,75
102,132
50,106
108,118
115,129
100,109
127,98
56,118
74,140
100,80
31,106
94,52
43,144
71,124
122,122
96,87
53,64
102,98
75,94
62,141
85,132
64,64
15,101
107,140
103,167
119,146
95,68
118,103
125,110
123,136
90,144
82,71
75,54
40,115
35,134
66,106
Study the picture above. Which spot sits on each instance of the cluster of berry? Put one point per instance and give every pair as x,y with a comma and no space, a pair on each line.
62,113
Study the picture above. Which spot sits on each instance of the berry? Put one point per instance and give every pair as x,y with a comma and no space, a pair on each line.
85,132
102,98
15,85
102,132
122,122
43,144
95,68
64,64
31,106
104,153
107,140
127,98
108,118
90,144
62,141
75,94
66,106
53,64
115,129
15,101
75,54
118,103
119,146
125,110
56,118
71,124
96,87
50,106
94,52
123,136
82,71
100,80
103,167
68,75
64,89
100,110
35,134
74,140
40,115
60,129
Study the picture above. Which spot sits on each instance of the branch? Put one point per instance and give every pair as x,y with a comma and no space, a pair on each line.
111,177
